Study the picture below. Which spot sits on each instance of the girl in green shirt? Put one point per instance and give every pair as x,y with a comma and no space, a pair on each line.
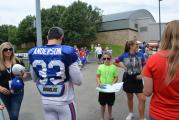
107,73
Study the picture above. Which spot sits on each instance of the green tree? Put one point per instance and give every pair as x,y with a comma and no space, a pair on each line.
12,34
3,33
80,22
51,17
8,33
26,30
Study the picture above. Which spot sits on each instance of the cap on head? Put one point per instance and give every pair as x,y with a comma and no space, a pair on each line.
55,33
17,69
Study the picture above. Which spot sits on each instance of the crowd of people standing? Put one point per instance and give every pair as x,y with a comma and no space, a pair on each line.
150,74
56,71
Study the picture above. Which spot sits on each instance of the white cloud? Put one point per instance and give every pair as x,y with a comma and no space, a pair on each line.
13,11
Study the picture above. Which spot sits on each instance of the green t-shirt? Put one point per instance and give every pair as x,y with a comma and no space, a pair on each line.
107,73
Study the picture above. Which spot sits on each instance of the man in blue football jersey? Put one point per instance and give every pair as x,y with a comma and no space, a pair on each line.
55,70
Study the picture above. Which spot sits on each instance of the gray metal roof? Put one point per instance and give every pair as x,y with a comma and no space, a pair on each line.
127,15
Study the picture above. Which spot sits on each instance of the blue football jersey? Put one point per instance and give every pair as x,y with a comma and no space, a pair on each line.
51,62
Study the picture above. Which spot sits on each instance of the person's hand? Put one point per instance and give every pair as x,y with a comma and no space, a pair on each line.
2,107
23,75
139,77
125,68
98,84
115,81
4,91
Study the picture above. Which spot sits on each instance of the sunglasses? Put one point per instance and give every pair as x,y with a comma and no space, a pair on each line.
6,49
106,58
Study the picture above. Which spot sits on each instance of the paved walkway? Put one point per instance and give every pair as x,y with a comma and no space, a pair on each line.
86,97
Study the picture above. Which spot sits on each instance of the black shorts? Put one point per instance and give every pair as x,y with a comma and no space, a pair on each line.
99,56
106,98
132,85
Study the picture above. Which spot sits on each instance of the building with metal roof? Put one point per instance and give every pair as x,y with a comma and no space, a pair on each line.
120,27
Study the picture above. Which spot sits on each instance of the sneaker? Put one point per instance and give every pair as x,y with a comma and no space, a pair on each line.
130,116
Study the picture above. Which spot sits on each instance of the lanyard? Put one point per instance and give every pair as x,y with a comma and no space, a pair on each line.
9,70
133,60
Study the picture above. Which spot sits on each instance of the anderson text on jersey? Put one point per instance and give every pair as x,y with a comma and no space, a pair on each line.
47,51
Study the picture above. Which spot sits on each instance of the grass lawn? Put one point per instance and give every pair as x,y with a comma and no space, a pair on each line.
116,50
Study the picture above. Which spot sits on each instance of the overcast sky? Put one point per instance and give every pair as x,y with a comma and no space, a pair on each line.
13,11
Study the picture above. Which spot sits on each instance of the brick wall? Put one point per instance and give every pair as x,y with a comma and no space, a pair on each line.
116,37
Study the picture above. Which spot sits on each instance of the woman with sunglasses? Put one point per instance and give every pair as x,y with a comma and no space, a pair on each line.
132,61
12,101
107,73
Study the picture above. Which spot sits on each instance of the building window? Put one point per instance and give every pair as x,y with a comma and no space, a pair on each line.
136,25
143,29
